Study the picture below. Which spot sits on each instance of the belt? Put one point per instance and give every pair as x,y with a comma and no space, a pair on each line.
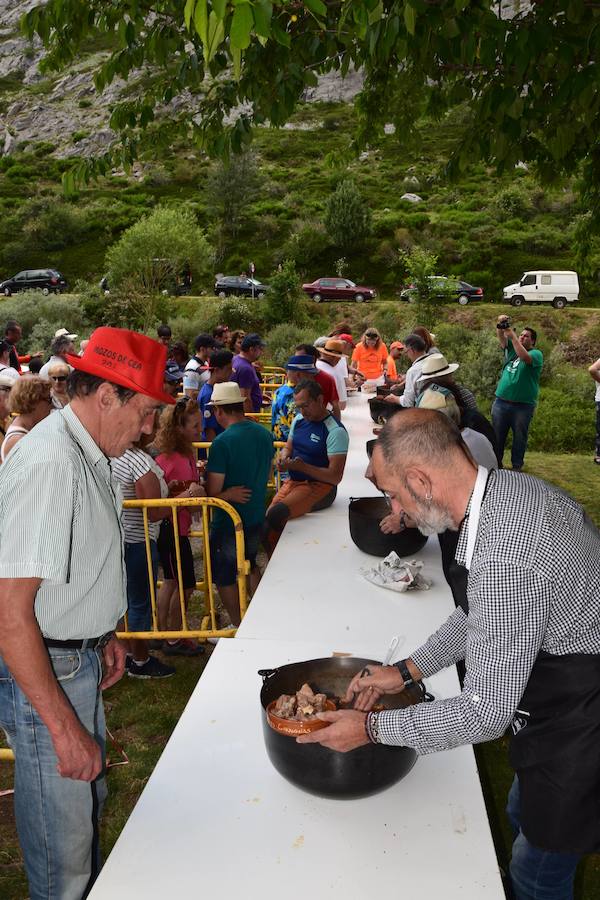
95,643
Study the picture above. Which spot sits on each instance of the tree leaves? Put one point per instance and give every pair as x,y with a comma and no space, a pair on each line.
241,26
410,18
201,20
215,36
531,82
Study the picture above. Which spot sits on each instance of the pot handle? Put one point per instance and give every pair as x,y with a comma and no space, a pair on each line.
265,674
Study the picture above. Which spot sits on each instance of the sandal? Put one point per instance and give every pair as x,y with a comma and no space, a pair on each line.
597,460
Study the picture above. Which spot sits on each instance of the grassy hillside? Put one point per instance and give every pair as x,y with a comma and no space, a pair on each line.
484,228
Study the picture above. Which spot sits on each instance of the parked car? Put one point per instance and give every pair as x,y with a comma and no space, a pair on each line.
338,289
444,288
240,285
557,288
48,281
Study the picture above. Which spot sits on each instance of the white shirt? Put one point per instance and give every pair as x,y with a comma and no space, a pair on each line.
9,372
196,374
409,396
337,373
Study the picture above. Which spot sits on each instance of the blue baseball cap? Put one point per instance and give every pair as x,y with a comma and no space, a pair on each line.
302,363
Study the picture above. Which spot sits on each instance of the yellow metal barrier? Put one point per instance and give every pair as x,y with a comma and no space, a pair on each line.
275,479
205,504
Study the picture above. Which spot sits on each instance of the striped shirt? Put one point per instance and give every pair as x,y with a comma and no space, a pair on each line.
534,584
60,522
128,469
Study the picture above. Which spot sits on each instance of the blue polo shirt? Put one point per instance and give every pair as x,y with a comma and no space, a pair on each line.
315,442
208,418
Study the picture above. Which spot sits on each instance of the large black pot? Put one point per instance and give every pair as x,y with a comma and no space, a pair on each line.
381,410
364,516
316,769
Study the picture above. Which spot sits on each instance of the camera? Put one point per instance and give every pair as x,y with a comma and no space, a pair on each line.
503,324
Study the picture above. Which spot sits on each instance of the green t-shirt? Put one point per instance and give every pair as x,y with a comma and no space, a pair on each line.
243,453
520,381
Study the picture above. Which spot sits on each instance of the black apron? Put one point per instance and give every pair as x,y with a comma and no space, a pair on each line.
555,741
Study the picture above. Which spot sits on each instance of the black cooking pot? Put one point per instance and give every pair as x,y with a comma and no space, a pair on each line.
364,516
381,410
316,769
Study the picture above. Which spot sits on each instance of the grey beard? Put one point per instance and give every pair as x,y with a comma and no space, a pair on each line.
433,520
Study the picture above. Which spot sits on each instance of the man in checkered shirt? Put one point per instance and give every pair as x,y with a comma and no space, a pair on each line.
528,632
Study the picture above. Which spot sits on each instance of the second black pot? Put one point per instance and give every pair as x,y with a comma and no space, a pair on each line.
364,516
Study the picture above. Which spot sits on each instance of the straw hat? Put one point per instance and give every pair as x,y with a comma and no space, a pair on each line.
333,348
225,394
437,364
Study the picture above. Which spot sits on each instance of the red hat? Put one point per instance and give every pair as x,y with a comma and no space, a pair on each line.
396,345
126,358
347,338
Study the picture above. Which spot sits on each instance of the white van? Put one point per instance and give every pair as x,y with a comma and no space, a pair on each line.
557,288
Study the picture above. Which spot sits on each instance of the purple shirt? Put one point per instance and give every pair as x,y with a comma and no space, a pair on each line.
245,375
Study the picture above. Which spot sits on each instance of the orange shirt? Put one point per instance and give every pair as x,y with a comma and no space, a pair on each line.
370,360
391,370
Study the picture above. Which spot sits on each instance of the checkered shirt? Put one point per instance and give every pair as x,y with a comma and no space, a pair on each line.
534,584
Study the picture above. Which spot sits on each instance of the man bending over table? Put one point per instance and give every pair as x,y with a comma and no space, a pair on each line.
314,456
528,630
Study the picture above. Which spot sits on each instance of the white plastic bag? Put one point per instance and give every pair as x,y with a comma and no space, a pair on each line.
397,574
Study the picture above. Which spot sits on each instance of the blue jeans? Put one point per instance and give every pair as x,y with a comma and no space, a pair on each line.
139,606
57,818
223,554
537,874
515,417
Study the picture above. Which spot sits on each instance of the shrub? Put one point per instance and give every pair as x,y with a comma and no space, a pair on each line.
230,188
247,315
151,255
306,244
513,201
282,340
347,217
282,303
30,308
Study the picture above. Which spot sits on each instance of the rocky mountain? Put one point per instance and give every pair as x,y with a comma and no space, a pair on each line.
65,109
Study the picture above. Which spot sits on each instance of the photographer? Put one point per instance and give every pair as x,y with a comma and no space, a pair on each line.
518,388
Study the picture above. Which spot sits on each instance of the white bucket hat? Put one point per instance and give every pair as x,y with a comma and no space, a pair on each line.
437,364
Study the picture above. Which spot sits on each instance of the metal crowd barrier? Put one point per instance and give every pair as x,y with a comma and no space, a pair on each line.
209,622
275,479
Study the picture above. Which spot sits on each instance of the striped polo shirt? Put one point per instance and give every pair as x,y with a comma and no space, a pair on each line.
60,522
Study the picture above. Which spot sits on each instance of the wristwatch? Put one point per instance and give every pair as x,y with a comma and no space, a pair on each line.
406,676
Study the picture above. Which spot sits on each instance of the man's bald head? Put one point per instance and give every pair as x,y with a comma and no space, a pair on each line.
419,437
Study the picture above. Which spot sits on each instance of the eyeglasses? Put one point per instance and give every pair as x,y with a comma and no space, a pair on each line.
5,389
371,337
58,377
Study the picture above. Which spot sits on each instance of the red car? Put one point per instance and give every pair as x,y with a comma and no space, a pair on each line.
338,289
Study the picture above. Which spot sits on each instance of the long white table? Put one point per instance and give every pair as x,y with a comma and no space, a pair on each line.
215,817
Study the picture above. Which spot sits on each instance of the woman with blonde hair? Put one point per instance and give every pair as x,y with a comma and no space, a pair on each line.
179,426
58,373
371,356
30,399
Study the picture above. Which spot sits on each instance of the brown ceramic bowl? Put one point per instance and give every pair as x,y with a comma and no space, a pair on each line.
294,727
